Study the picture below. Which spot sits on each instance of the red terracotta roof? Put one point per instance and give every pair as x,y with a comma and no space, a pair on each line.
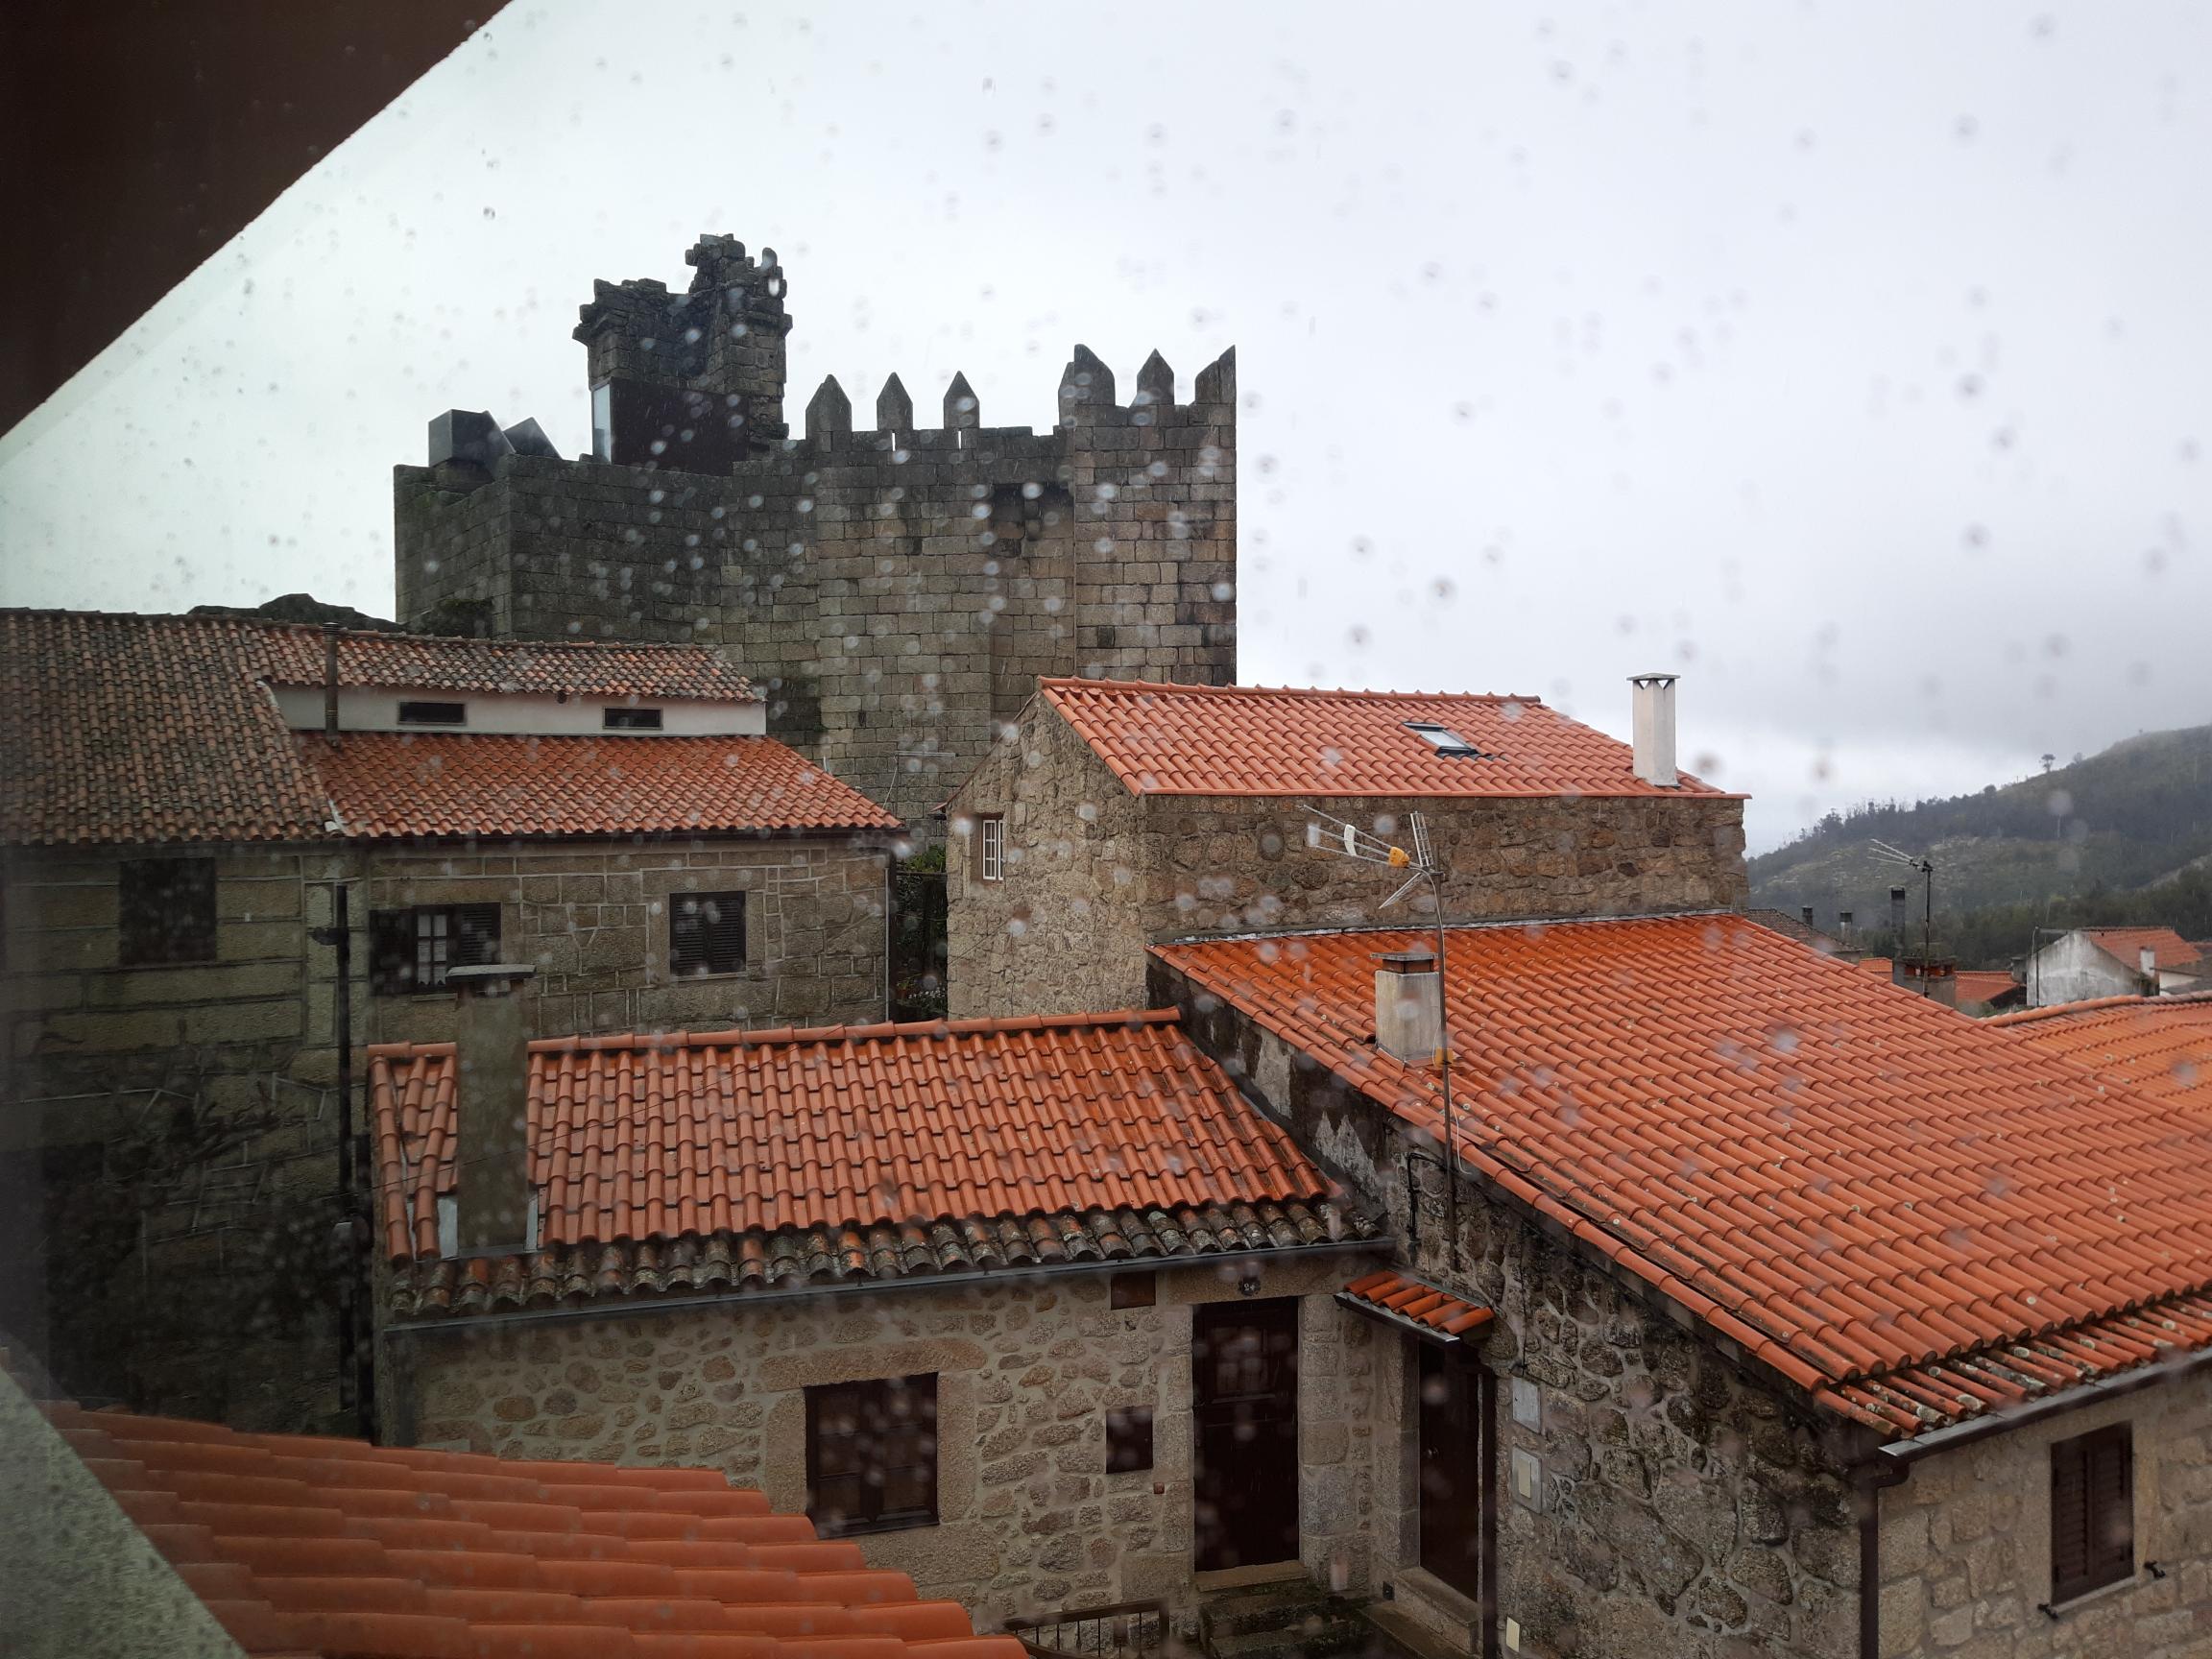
301,1544
2158,1045
390,783
1410,1300
162,729
737,1159
2169,950
1974,986
1250,740
1844,1178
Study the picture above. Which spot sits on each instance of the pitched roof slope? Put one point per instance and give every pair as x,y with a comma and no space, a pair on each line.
1976,986
2168,948
1252,740
301,1544
736,1160
2158,1045
400,783
1913,1216
161,728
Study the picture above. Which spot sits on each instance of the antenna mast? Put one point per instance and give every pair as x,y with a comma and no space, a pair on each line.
1327,834
1890,854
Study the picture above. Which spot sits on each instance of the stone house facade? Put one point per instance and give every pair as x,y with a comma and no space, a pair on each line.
895,589
1662,1469
1059,1273
1119,815
170,1143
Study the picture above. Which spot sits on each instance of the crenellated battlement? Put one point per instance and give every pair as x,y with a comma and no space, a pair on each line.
899,588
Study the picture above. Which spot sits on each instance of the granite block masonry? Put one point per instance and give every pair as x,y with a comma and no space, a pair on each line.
899,590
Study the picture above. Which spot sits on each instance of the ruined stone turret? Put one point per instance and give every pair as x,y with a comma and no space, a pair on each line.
692,381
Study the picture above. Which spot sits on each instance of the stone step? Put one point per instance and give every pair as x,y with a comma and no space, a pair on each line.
1306,1638
1402,1636
1263,1607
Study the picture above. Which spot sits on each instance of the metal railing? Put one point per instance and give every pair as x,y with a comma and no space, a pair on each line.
1123,1630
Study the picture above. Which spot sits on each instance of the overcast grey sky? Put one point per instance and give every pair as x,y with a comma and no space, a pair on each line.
1851,360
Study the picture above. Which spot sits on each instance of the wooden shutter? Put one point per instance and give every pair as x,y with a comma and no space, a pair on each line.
390,953
2092,1511
1129,1439
871,1454
166,911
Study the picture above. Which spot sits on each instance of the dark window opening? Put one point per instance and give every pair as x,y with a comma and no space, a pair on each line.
871,1454
167,911
1129,1439
633,720
2092,1511
706,934
411,950
1132,1290
433,713
1446,741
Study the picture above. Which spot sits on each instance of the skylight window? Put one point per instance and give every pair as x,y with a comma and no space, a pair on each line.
1443,740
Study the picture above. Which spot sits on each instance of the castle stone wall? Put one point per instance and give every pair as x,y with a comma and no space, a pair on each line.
896,591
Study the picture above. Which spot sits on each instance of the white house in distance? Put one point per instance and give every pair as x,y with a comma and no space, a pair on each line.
2092,962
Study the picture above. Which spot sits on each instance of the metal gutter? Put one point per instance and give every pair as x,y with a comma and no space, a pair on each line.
1904,1453
733,1300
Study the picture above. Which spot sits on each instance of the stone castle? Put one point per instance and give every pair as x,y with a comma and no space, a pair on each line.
897,590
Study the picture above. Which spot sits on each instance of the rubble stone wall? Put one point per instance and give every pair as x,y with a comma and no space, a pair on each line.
1029,1521
1677,1505
1093,873
1966,1542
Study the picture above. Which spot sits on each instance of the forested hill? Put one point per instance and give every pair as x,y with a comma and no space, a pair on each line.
2134,817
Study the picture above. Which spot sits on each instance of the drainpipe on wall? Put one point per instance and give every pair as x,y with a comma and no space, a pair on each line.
1868,1480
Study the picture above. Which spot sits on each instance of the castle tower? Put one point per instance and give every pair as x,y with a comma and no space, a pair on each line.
694,381
897,591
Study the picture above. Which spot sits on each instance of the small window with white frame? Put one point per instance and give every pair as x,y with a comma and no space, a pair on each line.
991,848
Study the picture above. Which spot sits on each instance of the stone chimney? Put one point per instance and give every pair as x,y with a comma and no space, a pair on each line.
1410,1006
1805,914
491,1102
1654,728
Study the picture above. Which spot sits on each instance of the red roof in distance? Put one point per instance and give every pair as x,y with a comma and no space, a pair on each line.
1251,740
2169,950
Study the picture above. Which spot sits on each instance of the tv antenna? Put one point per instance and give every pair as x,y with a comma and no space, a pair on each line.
1346,840
1890,854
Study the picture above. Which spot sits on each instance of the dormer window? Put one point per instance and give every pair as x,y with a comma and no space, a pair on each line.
1443,740
633,720
433,713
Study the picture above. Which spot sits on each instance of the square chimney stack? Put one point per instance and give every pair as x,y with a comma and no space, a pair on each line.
1410,1006
1654,730
491,1109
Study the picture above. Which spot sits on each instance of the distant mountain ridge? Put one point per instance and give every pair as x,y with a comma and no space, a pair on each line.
2137,814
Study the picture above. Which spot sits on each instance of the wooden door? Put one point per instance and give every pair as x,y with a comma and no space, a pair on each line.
1244,1411
1455,1468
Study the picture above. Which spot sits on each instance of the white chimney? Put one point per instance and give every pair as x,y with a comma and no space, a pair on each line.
1654,722
2147,961
1410,1006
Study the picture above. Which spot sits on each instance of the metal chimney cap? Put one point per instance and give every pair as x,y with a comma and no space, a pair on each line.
1414,961
490,978
1660,678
